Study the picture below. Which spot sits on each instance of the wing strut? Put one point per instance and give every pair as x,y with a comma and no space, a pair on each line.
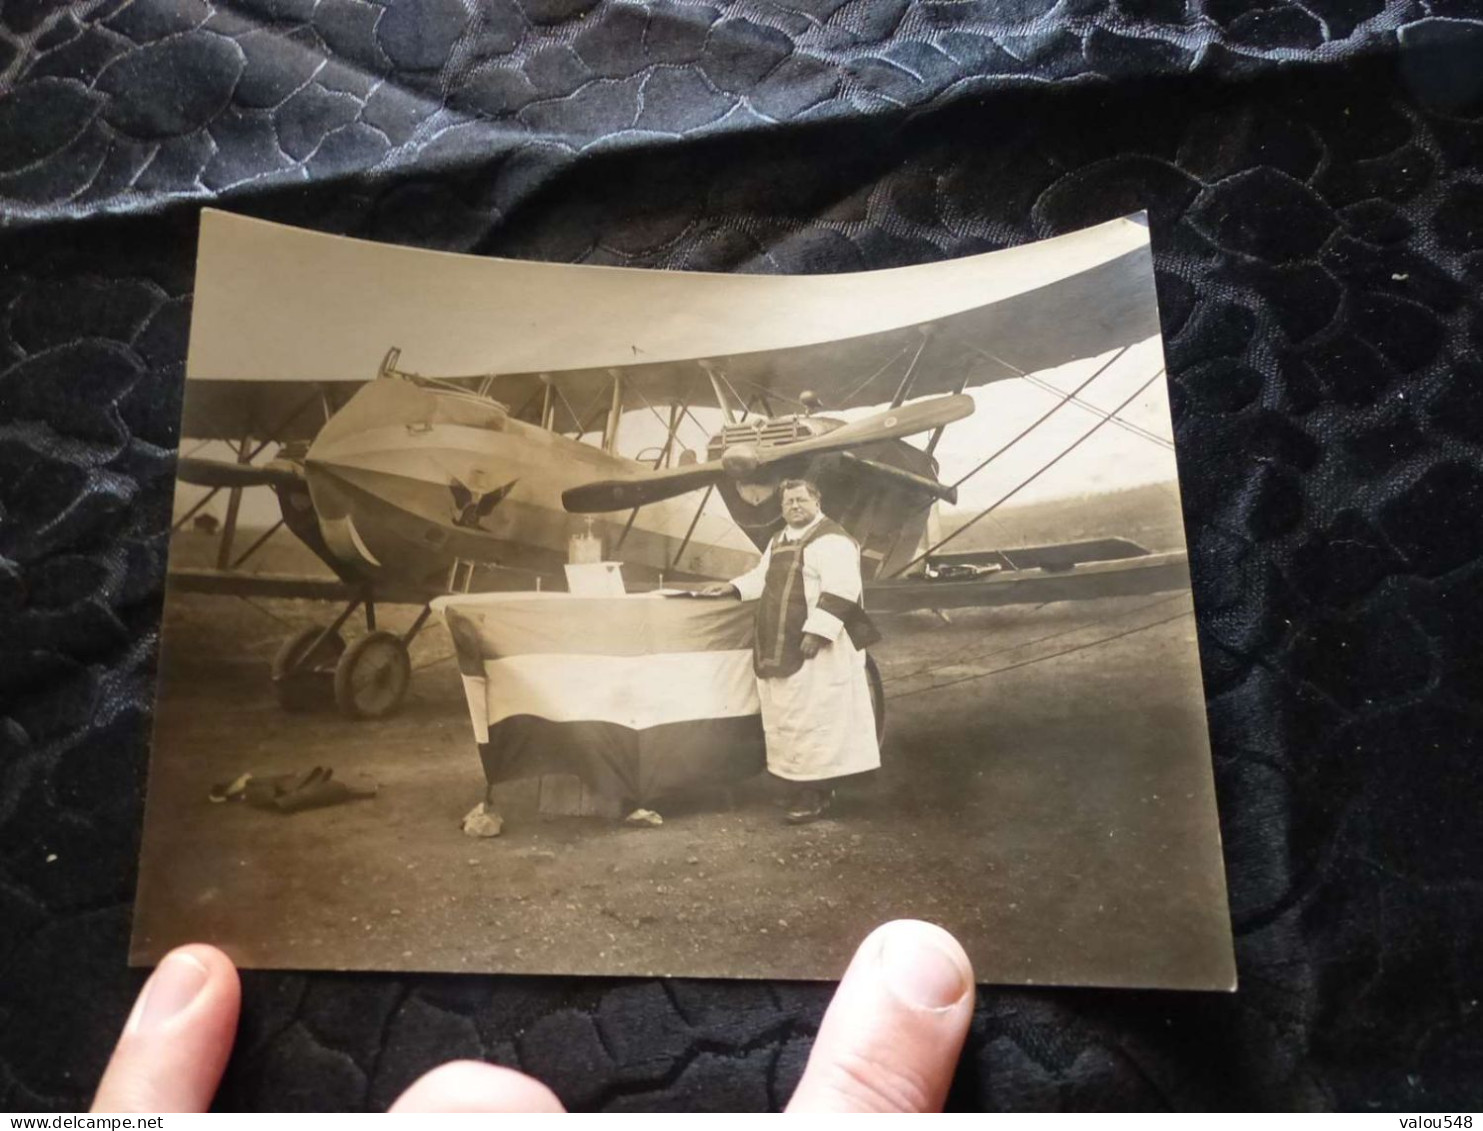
627,526
590,414
314,397
903,389
247,553
576,420
615,413
1004,498
548,405
234,506
941,428
677,409
529,401
196,506
675,416
721,398
694,522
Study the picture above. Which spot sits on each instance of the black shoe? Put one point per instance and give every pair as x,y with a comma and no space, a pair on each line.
810,807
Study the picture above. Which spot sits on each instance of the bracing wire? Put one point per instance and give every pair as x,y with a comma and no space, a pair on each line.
865,384
1125,425
1041,659
969,656
1002,499
1042,383
1041,419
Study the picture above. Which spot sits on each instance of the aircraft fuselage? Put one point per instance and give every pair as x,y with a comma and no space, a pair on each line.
407,480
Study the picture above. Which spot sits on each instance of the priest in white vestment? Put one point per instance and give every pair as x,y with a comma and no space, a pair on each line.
809,653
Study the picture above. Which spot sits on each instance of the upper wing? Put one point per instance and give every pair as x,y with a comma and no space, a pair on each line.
1084,315
1092,312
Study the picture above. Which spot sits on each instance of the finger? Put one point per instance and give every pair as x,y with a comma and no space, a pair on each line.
178,1037
467,1085
891,1037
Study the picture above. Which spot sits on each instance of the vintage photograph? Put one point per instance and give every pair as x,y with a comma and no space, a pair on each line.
547,618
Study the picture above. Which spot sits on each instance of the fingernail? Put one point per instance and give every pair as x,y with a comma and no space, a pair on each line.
171,988
920,970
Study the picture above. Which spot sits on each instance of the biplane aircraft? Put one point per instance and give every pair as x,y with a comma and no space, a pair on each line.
411,486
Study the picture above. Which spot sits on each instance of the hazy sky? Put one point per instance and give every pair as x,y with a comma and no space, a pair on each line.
1111,459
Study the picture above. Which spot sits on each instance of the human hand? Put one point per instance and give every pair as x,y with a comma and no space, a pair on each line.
721,589
812,645
889,1041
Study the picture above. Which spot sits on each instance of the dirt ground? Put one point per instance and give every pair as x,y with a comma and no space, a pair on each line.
1045,794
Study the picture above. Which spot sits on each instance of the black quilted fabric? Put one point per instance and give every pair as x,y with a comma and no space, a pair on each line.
1314,173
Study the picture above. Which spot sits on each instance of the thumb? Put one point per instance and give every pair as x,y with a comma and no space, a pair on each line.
891,1037
178,1038
470,1086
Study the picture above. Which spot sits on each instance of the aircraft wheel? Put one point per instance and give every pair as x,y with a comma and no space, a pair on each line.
302,681
877,696
372,676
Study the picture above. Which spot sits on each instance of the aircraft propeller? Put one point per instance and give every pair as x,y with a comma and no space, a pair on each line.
219,473
742,461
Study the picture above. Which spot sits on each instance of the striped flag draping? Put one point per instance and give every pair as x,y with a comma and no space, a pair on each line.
637,695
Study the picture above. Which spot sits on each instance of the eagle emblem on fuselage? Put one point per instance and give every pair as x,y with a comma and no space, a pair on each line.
470,507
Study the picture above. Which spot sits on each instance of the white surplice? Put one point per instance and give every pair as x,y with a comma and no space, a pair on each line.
819,721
